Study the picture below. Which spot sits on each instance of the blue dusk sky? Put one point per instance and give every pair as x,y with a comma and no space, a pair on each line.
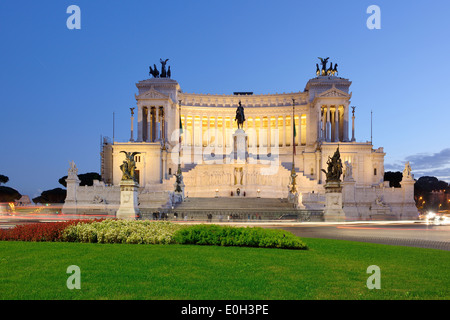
60,87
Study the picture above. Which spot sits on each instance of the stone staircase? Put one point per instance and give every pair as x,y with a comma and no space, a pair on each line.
288,166
188,167
242,208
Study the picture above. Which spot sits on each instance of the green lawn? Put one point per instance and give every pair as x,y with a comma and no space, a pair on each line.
330,269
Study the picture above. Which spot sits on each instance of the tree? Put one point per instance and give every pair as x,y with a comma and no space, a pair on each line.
87,179
424,195
428,184
3,179
394,178
8,194
57,195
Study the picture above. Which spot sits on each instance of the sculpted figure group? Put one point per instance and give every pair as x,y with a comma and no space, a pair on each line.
129,165
164,74
331,71
334,170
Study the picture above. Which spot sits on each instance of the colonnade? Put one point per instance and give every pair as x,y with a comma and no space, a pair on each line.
153,124
332,124
263,131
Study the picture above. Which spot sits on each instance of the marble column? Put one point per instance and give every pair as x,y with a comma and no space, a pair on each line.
328,130
319,125
345,126
193,138
261,141
208,133
215,131
353,127
149,121
336,125
324,124
277,132
132,129
185,131
299,131
157,125
224,140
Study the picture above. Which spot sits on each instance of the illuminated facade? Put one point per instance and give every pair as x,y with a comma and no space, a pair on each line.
322,117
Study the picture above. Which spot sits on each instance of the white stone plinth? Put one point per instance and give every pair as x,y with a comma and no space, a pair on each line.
333,202
128,200
240,146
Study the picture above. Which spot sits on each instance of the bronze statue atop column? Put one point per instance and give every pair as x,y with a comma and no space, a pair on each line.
240,117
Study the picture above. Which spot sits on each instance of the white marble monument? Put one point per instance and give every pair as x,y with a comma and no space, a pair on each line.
129,205
333,202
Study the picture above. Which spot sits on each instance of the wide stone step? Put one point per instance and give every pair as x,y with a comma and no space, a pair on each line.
230,203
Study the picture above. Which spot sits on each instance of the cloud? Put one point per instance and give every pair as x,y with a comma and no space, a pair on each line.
433,161
423,164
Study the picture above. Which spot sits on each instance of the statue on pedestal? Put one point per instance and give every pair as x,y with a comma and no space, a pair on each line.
348,174
73,171
334,168
240,117
129,165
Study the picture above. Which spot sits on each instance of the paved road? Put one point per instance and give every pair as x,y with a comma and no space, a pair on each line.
411,234
414,234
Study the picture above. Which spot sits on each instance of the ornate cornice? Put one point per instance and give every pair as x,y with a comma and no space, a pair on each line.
248,101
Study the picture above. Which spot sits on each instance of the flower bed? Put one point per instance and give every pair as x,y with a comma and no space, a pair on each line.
51,231
152,232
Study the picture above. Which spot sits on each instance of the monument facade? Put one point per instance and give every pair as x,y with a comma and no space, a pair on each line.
218,151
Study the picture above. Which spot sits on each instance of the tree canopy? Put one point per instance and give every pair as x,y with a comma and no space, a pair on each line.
3,179
394,178
57,195
8,194
428,184
87,179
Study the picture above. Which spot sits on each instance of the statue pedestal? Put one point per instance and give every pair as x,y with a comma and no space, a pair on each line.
296,199
70,203
240,146
179,192
333,202
128,200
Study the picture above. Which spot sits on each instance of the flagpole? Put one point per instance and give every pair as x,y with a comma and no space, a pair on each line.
179,177
179,136
293,175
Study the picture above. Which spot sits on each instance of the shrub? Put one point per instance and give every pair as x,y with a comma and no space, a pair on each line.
234,236
122,231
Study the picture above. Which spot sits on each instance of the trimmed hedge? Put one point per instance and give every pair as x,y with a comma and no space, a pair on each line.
122,231
238,236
